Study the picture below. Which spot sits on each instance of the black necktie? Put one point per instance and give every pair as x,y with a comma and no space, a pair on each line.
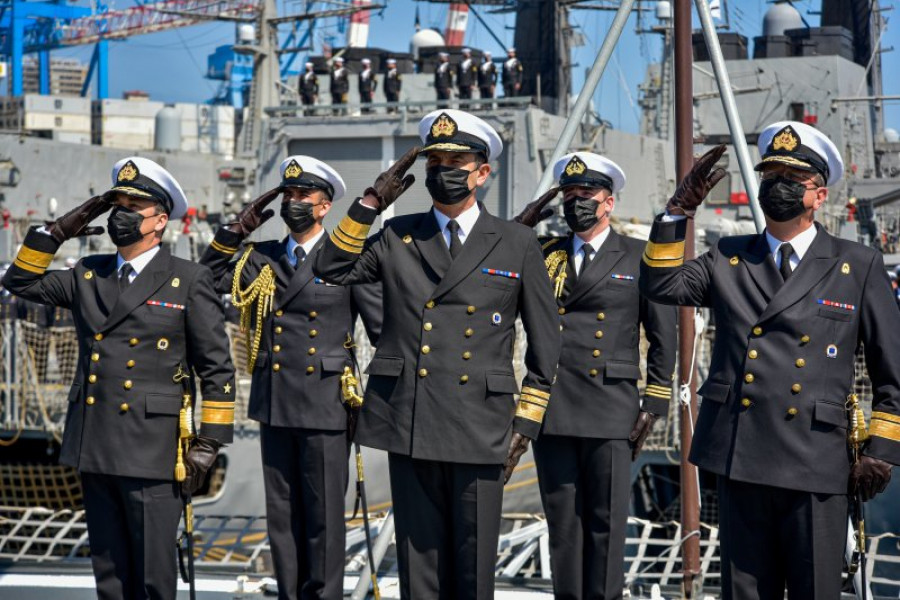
455,242
586,260
300,254
786,251
125,276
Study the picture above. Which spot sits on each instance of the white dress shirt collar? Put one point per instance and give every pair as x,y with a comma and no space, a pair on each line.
307,246
800,243
466,222
578,243
138,263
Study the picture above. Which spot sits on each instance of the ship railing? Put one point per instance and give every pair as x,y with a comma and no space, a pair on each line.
399,109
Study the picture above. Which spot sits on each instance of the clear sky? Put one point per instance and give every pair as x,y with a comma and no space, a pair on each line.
171,65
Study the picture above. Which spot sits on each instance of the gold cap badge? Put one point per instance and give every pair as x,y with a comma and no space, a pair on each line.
785,139
443,126
293,170
129,172
575,167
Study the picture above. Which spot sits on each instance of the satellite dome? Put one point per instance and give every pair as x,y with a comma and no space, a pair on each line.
781,17
891,135
423,39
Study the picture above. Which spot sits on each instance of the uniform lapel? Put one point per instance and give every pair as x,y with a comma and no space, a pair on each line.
107,282
430,242
605,258
819,260
479,242
154,275
761,266
569,282
302,275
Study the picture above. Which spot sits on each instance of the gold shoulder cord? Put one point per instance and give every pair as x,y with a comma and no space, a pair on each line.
556,270
261,291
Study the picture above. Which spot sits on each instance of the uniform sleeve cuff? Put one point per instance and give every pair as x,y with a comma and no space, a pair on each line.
666,245
656,399
884,440
226,241
217,420
37,252
351,233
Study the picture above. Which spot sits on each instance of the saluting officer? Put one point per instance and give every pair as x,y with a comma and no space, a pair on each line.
340,85
142,315
443,77
598,422
466,77
791,306
487,77
512,74
296,390
309,88
368,83
440,395
393,82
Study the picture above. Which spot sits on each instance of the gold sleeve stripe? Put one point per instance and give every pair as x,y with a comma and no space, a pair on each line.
661,395
354,228
885,429
28,267
35,257
348,240
658,389
530,412
886,416
226,404
536,392
351,249
673,250
218,416
222,248
674,262
535,400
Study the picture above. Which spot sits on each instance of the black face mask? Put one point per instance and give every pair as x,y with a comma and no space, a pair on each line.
447,185
781,199
580,213
298,216
124,226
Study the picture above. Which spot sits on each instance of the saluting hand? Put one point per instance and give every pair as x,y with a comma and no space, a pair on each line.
695,186
392,183
535,212
74,223
253,216
642,428
517,447
869,477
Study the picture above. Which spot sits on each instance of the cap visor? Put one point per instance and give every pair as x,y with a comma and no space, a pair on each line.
450,147
785,160
132,191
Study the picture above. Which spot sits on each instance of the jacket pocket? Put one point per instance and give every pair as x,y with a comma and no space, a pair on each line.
715,391
622,370
334,364
831,413
163,404
837,315
391,366
500,283
501,383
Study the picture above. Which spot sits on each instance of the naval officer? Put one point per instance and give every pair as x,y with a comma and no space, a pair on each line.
440,396
297,363
791,305
141,315
598,420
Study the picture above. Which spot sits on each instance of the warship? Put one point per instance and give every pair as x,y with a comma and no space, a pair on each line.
227,152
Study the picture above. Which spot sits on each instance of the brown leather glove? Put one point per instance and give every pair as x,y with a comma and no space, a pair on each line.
252,216
517,447
869,477
392,183
74,223
535,212
643,425
695,186
200,458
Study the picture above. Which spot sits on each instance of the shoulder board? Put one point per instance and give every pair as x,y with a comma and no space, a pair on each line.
549,242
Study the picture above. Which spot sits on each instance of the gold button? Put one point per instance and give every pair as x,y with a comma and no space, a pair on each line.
426,349
753,354
748,377
561,311
313,333
800,363
123,407
470,309
276,348
92,378
279,313
278,329
746,402
427,326
423,372
313,314
90,400
310,370
796,388
311,351
133,342
98,336
95,357
599,334
793,411
592,372
429,304
595,353
757,330
128,384
601,316
804,339
129,364
464,379
469,332
276,367
467,355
